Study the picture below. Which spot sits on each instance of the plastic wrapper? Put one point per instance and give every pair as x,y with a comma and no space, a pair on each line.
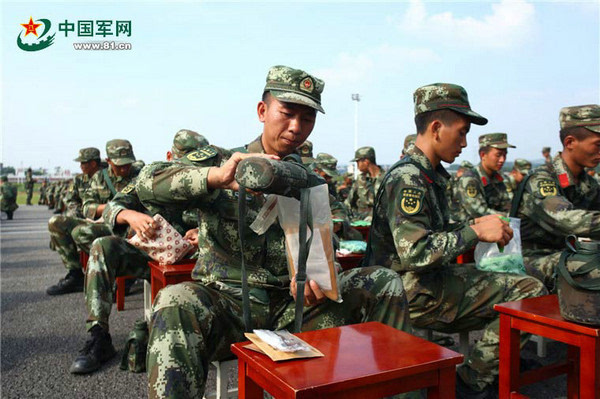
320,265
353,246
509,259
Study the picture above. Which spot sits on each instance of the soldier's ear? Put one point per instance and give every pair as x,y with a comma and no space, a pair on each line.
569,142
261,110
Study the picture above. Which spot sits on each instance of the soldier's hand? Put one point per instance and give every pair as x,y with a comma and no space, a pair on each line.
491,228
143,225
192,237
312,292
224,176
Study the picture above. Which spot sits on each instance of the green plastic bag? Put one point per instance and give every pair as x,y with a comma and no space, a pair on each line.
354,246
490,258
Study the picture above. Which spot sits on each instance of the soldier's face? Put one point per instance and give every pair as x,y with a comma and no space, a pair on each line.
586,152
451,139
89,167
286,125
363,165
119,170
494,159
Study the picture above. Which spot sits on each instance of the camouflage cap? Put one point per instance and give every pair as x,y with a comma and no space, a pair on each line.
445,96
295,86
522,165
364,153
120,152
546,149
587,116
306,152
410,139
327,163
466,165
88,154
186,141
494,140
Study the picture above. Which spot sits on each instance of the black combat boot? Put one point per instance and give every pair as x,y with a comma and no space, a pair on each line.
98,349
73,282
464,391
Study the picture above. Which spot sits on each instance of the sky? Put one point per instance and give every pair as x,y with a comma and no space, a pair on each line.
202,66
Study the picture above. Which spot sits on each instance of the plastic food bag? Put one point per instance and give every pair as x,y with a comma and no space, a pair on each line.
320,265
353,246
490,258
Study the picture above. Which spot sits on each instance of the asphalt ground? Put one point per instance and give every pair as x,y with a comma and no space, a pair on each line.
41,335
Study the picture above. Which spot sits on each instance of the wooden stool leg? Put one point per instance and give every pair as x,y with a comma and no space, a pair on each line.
446,387
147,301
589,368
509,358
573,372
120,293
247,389
463,342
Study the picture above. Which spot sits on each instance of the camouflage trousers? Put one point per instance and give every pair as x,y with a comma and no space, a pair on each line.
110,257
466,303
541,264
67,234
29,195
194,324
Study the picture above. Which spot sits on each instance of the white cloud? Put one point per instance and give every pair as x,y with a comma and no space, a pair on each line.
352,69
510,23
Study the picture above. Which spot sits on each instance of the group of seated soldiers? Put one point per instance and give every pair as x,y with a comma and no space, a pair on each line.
419,225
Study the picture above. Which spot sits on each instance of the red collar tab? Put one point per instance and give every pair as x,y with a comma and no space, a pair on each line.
563,179
427,177
484,181
499,178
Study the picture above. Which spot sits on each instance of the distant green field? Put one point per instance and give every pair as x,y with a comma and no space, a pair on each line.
22,194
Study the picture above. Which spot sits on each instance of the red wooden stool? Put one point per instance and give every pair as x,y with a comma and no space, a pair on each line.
83,260
541,316
349,261
364,230
368,360
163,275
467,257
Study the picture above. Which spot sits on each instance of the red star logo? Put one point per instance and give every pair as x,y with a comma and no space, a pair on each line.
307,83
31,27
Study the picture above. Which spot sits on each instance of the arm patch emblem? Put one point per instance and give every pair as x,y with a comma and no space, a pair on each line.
411,200
128,188
471,191
547,188
202,154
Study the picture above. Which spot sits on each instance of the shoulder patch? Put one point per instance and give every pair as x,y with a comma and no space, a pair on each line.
547,188
202,154
411,200
471,190
128,188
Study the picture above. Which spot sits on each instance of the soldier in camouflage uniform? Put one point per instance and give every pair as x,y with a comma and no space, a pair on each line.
306,152
362,196
8,202
113,256
195,323
29,183
411,234
345,186
521,168
326,166
408,141
546,154
452,188
43,193
561,199
70,234
481,191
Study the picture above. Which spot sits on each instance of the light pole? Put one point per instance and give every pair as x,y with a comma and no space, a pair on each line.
356,97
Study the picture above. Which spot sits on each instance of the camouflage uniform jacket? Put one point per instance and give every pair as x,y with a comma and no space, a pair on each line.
181,219
8,202
555,204
73,199
362,195
219,257
511,185
479,194
411,232
99,193
29,182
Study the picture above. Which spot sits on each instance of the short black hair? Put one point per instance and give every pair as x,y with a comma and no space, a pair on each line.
446,116
266,97
579,132
485,149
